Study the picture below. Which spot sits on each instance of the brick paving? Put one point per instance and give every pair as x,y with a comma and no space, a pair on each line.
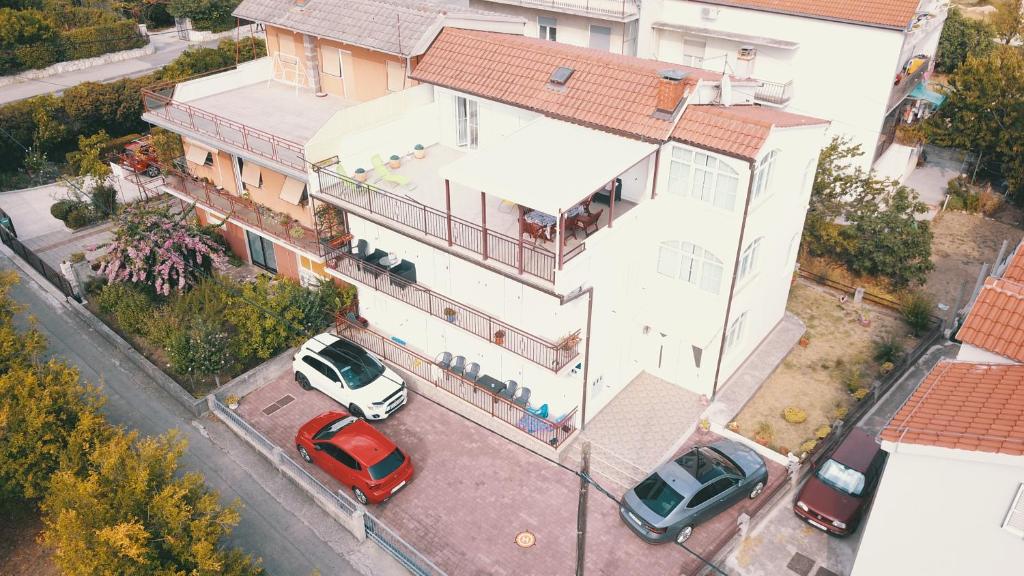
474,491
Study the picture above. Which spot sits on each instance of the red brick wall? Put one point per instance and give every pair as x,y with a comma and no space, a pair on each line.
287,262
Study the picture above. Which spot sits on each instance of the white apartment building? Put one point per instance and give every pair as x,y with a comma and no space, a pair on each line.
608,25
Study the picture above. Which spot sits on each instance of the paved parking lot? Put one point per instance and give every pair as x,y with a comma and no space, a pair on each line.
474,491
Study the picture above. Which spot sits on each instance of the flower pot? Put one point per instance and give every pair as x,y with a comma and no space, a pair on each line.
394,164
761,440
451,318
360,176
419,154
499,340
233,405
804,341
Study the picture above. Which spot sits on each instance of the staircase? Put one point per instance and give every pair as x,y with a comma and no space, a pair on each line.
614,472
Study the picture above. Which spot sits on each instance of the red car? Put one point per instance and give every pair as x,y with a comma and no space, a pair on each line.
835,498
355,454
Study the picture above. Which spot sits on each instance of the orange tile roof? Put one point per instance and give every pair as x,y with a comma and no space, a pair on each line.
607,91
738,131
996,321
1015,268
965,405
884,13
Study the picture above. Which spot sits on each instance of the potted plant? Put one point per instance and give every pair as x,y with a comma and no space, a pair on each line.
394,161
360,174
733,426
499,337
704,424
569,342
232,401
296,231
764,433
804,341
418,151
449,313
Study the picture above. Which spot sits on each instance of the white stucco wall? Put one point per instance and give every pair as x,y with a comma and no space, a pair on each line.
969,353
571,28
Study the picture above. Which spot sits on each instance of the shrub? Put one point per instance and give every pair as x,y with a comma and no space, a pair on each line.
860,393
852,378
916,309
808,446
888,350
764,433
79,216
823,431
104,200
95,285
839,412
61,208
794,415
885,368
955,203
77,257
130,306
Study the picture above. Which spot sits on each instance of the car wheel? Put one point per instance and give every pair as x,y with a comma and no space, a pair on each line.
303,381
757,490
360,497
305,455
684,534
355,411
152,172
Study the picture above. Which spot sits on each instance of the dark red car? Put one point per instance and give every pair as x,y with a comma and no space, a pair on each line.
835,498
355,454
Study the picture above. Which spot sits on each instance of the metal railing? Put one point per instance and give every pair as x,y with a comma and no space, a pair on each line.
441,225
33,260
159,101
399,549
620,8
549,355
778,93
550,432
238,208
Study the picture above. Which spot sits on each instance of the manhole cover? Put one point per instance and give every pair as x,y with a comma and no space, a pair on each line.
800,564
281,403
525,539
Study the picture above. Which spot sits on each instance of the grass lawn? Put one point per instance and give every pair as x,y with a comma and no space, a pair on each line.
811,377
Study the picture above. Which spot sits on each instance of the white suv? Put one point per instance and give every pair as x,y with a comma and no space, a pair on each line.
350,375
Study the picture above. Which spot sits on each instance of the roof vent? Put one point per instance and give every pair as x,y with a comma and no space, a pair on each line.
561,75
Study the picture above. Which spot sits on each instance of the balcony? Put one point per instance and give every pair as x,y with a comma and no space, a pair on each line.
553,432
774,93
912,74
553,356
620,10
189,188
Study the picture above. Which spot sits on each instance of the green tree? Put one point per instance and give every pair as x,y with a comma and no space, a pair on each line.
88,161
962,36
167,145
1008,19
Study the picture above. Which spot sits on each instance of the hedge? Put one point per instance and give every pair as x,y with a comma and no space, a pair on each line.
98,40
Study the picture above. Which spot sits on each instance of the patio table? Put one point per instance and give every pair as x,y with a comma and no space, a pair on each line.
492,385
541,218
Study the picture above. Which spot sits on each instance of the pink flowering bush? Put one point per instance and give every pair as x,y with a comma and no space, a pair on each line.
162,251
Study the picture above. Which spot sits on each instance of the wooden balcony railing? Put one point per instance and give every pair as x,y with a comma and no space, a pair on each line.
237,208
549,355
159,101
455,231
553,432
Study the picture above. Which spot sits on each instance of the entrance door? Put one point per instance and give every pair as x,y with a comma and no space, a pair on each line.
261,251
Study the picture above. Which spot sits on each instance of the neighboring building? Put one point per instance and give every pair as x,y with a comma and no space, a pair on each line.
482,247
993,330
608,25
245,131
854,62
951,499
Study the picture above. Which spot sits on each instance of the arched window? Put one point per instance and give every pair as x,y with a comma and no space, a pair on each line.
690,263
763,175
749,259
735,333
703,177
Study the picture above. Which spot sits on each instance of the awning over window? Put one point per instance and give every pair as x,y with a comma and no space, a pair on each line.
251,174
292,190
196,154
921,92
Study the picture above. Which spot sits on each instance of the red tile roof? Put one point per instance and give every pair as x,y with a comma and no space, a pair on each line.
964,405
607,91
738,131
996,321
1015,268
884,13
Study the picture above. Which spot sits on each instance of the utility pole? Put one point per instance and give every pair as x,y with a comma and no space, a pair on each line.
581,510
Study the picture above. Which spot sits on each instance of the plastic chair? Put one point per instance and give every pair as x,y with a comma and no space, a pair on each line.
509,391
385,175
458,365
521,397
444,360
472,371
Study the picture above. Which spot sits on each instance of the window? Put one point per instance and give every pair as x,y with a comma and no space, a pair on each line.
548,28
735,333
466,118
713,490
396,76
763,175
693,52
630,33
690,263
842,478
261,251
332,61
252,174
340,455
385,467
208,161
320,367
332,428
705,464
657,495
748,260
703,177
357,367
601,38
1014,522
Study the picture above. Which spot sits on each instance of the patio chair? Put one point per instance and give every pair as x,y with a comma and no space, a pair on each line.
458,365
509,391
385,175
521,397
571,226
444,360
472,371
586,204
586,222
535,231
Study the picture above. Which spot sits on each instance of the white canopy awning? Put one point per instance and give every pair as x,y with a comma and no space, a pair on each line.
548,165
251,173
196,154
292,190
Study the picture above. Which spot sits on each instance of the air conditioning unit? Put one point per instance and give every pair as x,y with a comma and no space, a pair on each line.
747,53
710,12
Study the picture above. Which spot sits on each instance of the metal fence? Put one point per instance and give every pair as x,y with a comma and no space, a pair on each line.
30,257
401,550
883,301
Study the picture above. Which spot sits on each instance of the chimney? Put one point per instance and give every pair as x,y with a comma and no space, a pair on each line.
312,64
670,90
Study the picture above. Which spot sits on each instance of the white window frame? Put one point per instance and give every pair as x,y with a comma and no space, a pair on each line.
389,69
467,123
693,59
703,176
693,264
735,334
749,260
606,38
630,36
547,28
763,176
1016,509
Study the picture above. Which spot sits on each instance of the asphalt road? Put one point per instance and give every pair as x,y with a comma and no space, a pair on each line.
279,523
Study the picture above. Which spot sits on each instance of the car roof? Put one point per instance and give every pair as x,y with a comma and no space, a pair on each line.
856,450
320,341
363,442
679,479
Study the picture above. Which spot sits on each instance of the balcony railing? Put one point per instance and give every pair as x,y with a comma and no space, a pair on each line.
455,231
551,432
159,101
617,8
905,83
778,93
238,208
551,356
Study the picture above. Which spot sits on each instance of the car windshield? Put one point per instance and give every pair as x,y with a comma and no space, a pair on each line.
841,478
657,495
388,465
705,464
328,431
357,367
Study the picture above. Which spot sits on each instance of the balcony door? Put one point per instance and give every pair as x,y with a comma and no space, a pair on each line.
261,252
466,122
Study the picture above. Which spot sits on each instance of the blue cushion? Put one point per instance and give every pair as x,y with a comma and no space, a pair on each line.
542,411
